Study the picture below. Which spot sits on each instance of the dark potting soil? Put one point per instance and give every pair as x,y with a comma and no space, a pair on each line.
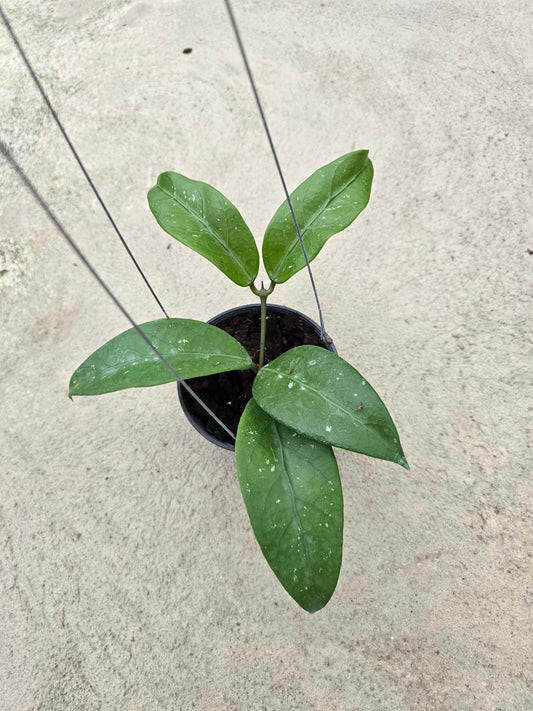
228,393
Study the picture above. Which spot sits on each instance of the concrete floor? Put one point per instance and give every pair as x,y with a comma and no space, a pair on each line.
130,579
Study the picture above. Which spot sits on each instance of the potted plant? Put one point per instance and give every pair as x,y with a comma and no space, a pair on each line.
268,373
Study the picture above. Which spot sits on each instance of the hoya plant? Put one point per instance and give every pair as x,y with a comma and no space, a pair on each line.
305,401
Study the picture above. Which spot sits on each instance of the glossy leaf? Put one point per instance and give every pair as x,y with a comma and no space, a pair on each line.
200,217
324,204
320,395
193,348
293,495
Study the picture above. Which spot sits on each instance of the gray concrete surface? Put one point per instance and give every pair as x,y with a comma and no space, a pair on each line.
130,578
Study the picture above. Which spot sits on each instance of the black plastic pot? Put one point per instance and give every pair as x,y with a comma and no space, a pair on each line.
219,321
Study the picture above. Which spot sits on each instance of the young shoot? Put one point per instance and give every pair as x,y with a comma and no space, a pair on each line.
305,401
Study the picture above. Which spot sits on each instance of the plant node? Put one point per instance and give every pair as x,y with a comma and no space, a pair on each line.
262,292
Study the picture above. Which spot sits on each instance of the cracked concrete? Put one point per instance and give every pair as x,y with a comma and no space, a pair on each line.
130,577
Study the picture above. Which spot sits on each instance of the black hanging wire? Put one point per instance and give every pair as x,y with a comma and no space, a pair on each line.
276,160
76,156
31,188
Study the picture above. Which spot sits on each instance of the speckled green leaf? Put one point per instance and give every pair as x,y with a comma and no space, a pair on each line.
200,217
193,348
324,204
320,395
292,491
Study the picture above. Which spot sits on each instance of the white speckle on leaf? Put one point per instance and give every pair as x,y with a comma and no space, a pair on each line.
328,428
291,385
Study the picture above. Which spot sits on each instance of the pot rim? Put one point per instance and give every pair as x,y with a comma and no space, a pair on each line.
214,321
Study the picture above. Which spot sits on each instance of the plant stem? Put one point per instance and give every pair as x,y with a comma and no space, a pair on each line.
263,295
263,331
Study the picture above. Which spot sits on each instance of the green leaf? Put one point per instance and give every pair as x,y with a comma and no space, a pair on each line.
324,204
320,395
200,217
193,348
293,495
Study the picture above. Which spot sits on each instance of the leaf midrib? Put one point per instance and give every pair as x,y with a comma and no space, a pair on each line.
327,399
210,231
296,240
155,359
213,354
296,514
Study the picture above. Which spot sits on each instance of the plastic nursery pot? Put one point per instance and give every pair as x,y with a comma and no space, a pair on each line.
228,393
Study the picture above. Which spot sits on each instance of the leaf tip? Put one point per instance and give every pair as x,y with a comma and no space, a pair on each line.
313,610
402,461
315,605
